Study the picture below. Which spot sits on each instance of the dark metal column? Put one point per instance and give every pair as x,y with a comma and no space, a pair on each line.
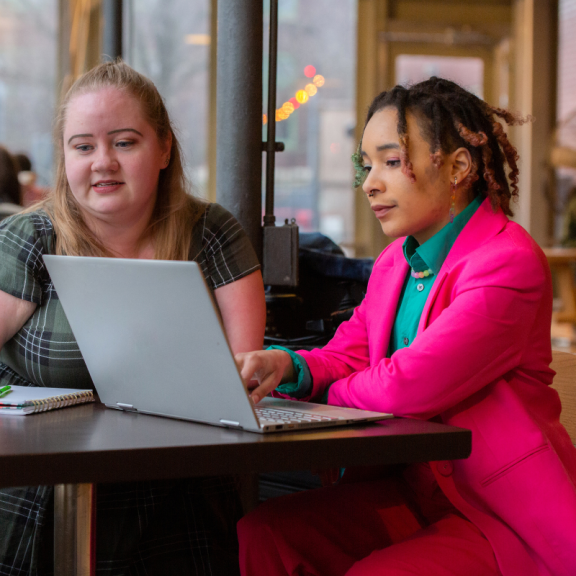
239,114
112,29
269,218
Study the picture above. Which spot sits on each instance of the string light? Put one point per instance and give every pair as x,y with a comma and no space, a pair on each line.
301,96
309,71
295,103
310,89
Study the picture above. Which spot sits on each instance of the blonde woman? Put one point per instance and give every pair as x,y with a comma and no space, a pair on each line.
120,191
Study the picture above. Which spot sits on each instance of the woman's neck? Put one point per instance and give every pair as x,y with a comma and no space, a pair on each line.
124,239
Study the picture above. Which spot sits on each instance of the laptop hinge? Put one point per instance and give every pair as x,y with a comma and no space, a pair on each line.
128,407
230,423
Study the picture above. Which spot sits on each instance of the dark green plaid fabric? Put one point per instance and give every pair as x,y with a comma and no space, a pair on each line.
44,352
176,527
165,527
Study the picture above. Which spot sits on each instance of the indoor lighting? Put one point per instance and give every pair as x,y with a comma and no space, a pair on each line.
198,39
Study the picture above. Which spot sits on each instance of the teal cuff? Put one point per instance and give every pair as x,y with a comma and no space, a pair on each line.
303,385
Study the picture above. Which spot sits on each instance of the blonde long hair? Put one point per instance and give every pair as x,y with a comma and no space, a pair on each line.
175,212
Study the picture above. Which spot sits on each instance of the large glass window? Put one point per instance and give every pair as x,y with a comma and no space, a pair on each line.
28,51
468,72
316,91
564,146
169,41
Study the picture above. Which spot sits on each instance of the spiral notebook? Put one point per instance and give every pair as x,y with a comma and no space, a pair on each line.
23,400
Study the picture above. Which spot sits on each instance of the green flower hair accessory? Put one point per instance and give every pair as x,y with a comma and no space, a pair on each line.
359,172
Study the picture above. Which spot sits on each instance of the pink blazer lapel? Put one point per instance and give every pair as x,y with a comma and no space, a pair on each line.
485,224
389,282
432,298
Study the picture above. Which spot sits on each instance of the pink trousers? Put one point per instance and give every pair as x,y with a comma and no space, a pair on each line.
365,528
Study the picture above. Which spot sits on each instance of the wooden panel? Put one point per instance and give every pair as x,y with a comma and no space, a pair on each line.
561,262
369,240
534,92
452,12
564,364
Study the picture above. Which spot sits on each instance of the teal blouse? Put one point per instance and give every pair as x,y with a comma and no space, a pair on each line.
426,257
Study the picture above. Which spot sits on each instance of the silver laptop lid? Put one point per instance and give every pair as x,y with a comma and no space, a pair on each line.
151,337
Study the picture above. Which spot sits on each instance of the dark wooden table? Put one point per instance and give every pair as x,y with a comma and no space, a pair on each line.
75,447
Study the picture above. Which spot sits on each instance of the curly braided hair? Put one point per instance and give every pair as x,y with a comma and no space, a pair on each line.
450,117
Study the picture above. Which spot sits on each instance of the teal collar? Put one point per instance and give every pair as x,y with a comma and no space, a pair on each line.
433,252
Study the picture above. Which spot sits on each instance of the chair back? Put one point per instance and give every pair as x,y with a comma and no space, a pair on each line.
564,363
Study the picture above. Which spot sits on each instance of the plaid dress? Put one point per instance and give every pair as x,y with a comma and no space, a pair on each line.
157,527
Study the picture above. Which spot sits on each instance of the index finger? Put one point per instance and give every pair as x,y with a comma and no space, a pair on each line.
248,364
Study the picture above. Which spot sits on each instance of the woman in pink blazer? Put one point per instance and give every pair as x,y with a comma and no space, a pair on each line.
455,327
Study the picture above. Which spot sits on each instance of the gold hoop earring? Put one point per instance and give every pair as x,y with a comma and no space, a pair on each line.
453,199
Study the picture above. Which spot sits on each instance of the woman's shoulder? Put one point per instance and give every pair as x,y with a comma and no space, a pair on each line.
221,247
28,226
218,226
24,239
513,245
509,258
215,216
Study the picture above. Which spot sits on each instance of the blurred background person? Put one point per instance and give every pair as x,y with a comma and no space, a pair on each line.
30,191
9,185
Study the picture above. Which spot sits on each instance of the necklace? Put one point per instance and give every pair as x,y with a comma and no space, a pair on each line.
422,274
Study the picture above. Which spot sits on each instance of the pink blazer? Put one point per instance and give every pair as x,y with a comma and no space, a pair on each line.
480,361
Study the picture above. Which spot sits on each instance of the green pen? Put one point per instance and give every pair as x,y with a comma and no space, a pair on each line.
4,390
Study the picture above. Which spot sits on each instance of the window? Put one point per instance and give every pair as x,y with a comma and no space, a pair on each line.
468,72
564,154
28,51
313,181
169,42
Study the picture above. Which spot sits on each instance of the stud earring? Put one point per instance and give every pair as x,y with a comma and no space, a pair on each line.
453,199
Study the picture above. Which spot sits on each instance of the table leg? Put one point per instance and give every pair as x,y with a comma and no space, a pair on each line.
74,551
248,486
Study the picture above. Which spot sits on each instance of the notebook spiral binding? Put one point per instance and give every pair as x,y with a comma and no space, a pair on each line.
55,402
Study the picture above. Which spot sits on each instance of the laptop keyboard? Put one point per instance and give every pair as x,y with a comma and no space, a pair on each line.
273,416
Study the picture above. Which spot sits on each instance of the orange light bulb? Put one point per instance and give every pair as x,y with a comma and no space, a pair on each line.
310,89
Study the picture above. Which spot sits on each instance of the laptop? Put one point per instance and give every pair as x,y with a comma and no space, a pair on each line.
154,343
